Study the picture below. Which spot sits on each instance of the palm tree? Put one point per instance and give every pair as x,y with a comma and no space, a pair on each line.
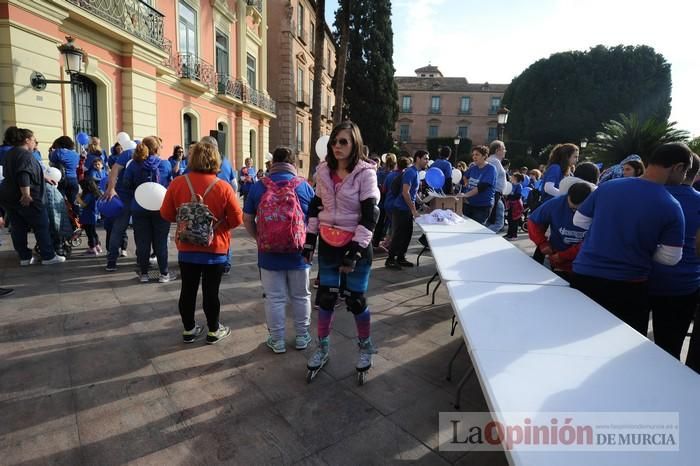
628,135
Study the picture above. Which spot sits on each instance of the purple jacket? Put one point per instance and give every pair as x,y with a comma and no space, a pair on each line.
341,203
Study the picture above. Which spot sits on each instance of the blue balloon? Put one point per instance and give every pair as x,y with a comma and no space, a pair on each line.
435,178
83,139
111,208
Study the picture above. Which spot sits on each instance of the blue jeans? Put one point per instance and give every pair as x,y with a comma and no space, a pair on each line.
119,225
151,230
499,218
22,220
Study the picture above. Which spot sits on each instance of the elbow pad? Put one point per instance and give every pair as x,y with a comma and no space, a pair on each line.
483,187
369,215
315,206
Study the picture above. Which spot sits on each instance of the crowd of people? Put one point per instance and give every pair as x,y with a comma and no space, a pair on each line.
594,230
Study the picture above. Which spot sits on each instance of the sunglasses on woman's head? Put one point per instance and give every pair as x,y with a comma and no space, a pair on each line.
341,141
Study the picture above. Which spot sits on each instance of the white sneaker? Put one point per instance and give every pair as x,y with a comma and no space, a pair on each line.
56,260
143,278
123,253
27,262
167,278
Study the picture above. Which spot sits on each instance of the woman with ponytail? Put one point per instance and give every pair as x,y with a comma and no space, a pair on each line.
150,230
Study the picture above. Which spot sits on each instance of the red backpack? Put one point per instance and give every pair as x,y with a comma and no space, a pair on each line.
280,219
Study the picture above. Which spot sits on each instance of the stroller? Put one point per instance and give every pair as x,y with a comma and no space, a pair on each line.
64,226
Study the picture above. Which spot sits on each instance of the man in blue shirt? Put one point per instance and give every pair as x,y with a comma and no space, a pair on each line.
404,212
674,289
443,164
631,222
284,276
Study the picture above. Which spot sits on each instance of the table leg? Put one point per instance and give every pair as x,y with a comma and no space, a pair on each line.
435,290
425,248
454,325
454,356
427,286
461,385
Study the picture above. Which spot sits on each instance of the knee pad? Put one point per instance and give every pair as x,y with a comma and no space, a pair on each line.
356,302
327,297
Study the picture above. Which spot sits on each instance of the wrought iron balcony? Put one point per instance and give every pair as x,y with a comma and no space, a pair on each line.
257,98
189,66
303,99
257,4
133,16
228,86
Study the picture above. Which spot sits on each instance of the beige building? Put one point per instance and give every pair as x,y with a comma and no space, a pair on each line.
431,105
291,64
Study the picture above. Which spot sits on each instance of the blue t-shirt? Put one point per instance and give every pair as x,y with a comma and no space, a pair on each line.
68,158
97,175
517,191
446,168
165,173
558,216
684,277
390,197
181,169
631,218
279,261
88,214
227,172
474,176
551,175
409,177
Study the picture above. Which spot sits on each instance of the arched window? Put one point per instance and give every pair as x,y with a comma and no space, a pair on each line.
187,127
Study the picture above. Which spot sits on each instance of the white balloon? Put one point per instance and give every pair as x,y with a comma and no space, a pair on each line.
383,158
123,138
129,145
322,147
568,181
268,157
456,175
508,189
53,173
150,195
430,163
421,175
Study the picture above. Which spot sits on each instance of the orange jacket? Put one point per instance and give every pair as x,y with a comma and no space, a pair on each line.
221,200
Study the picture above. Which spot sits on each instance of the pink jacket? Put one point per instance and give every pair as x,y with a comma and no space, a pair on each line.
341,203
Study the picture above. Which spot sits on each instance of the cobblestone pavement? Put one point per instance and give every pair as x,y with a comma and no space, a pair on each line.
93,371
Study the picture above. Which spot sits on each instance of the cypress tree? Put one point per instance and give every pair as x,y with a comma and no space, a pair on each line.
371,96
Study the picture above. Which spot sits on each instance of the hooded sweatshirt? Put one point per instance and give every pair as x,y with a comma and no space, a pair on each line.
137,173
69,159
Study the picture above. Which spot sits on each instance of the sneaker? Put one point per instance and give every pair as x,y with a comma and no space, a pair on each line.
111,268
143,277
56,260
167,277
189,336
227,270
6,292
276,345
220,334
404,263
392,264
27,262
91,252
98,249
123,253
302,341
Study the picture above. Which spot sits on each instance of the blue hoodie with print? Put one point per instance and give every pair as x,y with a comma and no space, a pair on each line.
137,173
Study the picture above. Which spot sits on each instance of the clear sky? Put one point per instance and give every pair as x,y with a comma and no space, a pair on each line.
495,41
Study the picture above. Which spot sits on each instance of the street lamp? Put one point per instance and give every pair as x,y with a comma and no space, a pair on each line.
502,121
73,57
456,141
584,143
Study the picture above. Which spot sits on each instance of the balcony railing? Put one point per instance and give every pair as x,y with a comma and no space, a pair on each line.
133,16
227,85
303,99
257,4
258,99
406,110
463,111
435,110
190,66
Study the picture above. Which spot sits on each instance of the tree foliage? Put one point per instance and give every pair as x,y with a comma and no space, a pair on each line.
566,97
630,135
371,95
694,145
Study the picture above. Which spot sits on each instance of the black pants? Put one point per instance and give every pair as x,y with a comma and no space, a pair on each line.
693,359
402,231
513,225
629,301
380,228
210,275
91,233
671,316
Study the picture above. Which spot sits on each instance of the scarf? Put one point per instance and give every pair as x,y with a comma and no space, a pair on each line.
281,167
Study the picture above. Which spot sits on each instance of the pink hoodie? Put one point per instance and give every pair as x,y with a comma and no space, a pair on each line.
341,203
